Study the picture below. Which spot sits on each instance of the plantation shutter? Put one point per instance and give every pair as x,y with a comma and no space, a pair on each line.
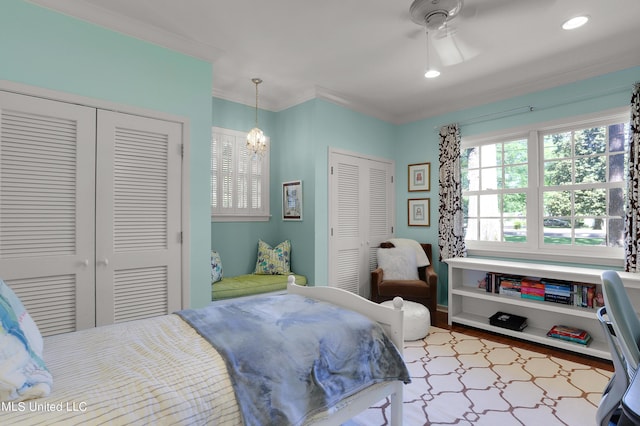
47,162
138,239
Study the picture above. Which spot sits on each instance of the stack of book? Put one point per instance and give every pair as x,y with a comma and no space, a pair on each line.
532,288
558,291
570,334
510,286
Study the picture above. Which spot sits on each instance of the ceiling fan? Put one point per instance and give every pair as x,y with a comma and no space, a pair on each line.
442,20
435,16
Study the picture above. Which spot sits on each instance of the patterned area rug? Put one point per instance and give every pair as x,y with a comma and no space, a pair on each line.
463,380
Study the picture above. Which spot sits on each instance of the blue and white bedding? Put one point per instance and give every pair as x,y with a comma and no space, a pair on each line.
290,357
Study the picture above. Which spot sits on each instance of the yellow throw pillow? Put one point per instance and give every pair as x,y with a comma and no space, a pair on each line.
273,261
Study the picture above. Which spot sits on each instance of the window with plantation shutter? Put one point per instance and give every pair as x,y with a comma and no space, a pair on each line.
239,180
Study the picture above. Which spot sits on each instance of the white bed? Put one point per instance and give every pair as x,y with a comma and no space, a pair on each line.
125,374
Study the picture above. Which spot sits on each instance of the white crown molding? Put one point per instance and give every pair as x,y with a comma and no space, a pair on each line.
132,27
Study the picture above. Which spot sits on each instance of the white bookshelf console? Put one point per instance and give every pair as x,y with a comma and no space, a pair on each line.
472,306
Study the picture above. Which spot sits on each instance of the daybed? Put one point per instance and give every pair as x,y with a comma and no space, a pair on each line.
249,284
162,371
273,266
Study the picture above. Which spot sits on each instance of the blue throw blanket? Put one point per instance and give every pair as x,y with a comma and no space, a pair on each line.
290,356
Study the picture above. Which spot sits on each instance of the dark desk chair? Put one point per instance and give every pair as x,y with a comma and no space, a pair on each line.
423,290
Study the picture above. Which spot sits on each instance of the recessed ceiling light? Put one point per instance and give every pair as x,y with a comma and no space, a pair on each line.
431,73
574,23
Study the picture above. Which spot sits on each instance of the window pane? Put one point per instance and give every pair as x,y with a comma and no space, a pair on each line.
591,169
618,137
557,145
557,173
617,168
616,202
490,155
591,233
515,152
516,176
615,233
515,230
490,230
491,178
489,206
590,202
473,177
557,203
590,141
471,233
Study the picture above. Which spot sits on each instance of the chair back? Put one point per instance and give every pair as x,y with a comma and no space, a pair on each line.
624,319
614,391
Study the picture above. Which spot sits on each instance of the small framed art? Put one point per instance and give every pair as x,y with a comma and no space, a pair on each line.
419,211
292,200
420,177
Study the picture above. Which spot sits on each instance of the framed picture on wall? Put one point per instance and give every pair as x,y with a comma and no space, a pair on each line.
419,211
420,177
292,200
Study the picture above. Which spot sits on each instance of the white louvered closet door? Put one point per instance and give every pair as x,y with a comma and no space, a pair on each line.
361,203
47,160
138,238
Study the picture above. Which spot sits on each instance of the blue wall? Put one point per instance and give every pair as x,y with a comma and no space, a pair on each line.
42,48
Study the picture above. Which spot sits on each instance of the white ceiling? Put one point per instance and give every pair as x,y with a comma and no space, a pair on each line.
369,56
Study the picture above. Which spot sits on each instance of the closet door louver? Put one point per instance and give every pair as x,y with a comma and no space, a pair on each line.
361,217
138,239
47,161
348,232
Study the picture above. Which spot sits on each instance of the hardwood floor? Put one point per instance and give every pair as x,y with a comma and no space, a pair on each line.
440,321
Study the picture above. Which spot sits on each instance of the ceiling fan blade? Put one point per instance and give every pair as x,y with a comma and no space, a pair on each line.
453,50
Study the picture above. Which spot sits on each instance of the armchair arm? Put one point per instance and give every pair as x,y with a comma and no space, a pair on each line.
431,276
376,279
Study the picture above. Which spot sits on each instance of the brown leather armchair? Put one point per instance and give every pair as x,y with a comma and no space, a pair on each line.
423,290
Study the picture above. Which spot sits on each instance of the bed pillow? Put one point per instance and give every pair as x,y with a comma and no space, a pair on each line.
398,263
216,267
23,374
273,261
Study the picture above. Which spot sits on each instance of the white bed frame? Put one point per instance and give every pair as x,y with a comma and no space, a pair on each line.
391,321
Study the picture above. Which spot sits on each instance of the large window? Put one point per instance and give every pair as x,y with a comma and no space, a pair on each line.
239,180
549,189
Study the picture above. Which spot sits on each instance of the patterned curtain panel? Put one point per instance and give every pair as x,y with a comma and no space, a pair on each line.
451,222
632,223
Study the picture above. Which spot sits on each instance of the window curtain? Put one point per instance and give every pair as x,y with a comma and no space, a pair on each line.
632,222
451,221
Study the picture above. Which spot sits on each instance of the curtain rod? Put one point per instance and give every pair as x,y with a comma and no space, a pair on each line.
530,108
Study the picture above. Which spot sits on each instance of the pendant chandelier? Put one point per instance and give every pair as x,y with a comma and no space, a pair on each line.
256,140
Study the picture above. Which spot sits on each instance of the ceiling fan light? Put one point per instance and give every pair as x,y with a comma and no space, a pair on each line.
576,22
431,73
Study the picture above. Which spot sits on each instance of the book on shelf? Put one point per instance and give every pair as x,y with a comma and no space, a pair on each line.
571,334
509,321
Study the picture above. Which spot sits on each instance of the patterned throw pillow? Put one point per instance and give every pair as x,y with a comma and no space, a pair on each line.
216,267
23,374
273,261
